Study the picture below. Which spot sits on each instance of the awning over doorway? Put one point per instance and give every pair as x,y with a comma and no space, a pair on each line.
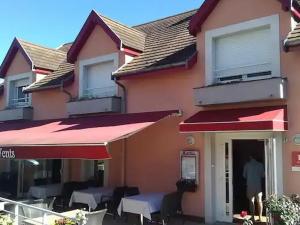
269,118
73,138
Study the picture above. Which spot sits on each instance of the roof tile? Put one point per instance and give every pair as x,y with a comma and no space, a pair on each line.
168,42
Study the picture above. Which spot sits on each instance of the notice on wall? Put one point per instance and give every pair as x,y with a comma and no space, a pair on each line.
189,165
296,161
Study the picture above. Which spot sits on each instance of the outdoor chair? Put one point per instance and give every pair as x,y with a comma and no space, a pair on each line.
171,206
113,201
40,181
96,217
131,191
50,203
62,201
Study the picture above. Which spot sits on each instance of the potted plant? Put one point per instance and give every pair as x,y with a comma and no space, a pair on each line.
283,210
79,219
6,220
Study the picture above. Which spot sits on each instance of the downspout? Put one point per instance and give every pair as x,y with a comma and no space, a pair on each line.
62,88
125,94
124,141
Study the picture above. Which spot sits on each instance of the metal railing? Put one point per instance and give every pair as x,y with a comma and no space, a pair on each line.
100,92
19,219
20,102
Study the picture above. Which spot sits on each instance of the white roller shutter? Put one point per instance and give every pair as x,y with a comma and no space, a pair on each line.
244,53
98,81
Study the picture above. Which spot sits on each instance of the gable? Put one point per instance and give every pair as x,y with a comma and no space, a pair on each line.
209,6
98,43
18,65
222,14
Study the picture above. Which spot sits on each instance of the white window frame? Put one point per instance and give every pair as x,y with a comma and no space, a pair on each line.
211,35
83,64
12,78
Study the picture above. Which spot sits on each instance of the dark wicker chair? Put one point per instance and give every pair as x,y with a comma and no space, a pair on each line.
113,202
131,191
171,206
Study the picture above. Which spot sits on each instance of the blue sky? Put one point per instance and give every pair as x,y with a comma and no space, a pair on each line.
53,22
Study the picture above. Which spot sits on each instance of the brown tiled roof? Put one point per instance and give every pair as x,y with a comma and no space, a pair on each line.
65,47
293,38
130,37
168,43
43,57
65,72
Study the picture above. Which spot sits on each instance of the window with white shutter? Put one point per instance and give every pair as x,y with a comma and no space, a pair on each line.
245,51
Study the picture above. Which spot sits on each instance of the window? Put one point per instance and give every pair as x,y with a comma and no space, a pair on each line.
245,51
97,80
95,77
17,97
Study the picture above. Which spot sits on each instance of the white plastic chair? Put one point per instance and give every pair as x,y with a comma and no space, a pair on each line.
96,217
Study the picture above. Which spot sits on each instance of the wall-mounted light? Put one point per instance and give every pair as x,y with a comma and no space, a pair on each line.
190,140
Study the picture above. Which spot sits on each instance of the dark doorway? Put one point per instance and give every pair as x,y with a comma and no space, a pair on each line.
241,151
56,170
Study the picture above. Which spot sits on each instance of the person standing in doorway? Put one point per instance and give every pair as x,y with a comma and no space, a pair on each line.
253,173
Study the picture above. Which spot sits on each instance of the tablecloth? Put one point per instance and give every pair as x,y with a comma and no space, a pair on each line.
143,204
90,196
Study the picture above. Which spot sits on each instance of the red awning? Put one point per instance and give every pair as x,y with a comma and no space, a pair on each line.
82,138
270,118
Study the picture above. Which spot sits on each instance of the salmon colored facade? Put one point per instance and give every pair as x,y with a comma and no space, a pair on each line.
150,159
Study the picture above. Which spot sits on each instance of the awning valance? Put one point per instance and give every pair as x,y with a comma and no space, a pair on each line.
76,138
269,118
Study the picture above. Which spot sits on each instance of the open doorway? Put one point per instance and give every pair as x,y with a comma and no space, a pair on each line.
241,152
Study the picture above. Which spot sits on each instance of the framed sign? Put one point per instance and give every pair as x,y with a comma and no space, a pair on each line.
296,161
189,161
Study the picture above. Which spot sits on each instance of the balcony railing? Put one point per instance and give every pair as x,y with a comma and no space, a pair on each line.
20,102
19,219
102,92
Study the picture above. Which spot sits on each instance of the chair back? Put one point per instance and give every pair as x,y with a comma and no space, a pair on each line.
118,194
33,213
171,204
96,217
51,203
130,191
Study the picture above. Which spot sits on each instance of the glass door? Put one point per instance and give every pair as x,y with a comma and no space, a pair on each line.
224,195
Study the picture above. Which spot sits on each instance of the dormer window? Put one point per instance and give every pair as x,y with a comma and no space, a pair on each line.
95,77
242,52
16,97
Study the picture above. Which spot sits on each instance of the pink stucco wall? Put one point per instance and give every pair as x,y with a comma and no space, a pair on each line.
18,65
52,103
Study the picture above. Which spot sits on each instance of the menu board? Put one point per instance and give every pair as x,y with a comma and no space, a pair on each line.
189,165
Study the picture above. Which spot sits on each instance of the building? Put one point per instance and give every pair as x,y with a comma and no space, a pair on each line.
208,80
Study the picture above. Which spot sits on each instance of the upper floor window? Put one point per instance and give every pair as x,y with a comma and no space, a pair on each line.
95,77
15,86
245,51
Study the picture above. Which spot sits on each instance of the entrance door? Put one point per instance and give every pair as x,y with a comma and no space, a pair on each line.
224,169
224,180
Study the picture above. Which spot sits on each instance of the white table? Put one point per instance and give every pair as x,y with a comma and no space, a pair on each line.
45,191
143,204
90,196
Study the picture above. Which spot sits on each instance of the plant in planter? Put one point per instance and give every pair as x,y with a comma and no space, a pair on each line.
80,219
246,219
283,210
6,220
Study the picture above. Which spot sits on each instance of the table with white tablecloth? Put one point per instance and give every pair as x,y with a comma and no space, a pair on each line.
143,204
91,196
45,191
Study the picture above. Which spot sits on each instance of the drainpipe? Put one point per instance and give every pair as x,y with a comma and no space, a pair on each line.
124,141
125,93
62,88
